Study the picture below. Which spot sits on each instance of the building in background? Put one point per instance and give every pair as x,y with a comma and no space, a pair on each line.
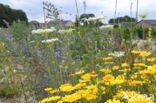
147,23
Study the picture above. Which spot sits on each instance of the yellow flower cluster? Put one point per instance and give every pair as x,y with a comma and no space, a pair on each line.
117,83
50,99
141,53
151,59
107,60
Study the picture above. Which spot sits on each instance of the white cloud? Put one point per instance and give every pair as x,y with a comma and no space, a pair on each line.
33,8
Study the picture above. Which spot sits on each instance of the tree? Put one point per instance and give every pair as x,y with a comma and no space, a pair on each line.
11,15
122,19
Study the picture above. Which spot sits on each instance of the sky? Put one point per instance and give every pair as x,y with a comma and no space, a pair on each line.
34,8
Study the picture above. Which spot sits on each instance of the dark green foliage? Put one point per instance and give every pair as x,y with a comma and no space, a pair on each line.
122,20
140,31
10,15
116,26
154,33
86,16
8,91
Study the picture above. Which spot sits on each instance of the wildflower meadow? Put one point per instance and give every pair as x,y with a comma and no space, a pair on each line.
88,62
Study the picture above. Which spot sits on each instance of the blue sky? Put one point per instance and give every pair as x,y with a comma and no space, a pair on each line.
33,8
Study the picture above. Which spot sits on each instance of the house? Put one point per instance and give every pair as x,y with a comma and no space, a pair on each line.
65,23
35,24
147,23
68,23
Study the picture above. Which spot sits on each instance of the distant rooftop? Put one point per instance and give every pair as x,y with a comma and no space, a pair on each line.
152,22
147,23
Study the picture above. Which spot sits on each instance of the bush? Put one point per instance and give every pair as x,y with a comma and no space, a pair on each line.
8,91
11,15
140,31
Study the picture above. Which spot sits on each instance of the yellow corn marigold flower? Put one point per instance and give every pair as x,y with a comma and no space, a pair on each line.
153,67
149,70
140,64
71,98
135,52
105,70
79,72
118,80
80,85
151,59
136,67
89,97
48,89
115,67
145,54
54,98
82,93
113,101
50,99
141,53
88,76
108,58
108,77
124,65
60,101
108,63
54,91
66,88
92,88
84,80
140,99
115,82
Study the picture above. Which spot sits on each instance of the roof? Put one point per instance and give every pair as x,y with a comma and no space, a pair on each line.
152,22
34,22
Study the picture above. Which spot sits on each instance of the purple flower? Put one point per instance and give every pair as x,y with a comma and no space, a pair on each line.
104,39
42,50
36,85
44,8
11,35
41,58
43,3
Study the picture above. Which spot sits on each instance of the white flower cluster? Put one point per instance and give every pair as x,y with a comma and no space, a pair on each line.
145,44
106,27
68,31
41,31
95,18
50,40
117,54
